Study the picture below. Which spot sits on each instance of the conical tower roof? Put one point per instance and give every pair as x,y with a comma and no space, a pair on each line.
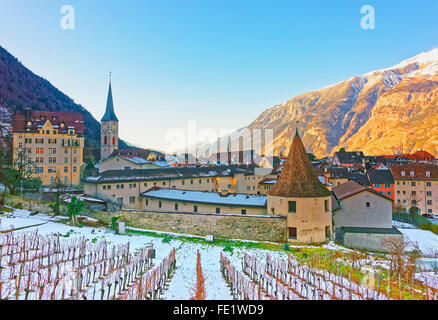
298,178
109,112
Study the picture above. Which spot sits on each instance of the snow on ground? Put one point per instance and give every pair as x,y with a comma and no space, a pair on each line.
184,278
403,225
426,240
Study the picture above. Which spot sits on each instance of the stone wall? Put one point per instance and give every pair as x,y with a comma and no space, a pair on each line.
222,226
368,241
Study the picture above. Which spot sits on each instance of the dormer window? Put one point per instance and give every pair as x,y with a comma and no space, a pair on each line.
403,174
29,123
427,174
412,173
62,124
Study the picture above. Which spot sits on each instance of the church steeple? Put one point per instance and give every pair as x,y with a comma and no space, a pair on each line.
109,112
109,129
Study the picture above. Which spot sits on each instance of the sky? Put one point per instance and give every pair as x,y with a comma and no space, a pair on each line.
216,63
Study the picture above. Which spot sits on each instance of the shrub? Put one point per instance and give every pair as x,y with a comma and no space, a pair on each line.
228,248
18,205
5,209
167,239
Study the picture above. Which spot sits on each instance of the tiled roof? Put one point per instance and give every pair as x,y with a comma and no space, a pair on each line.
298,178
350,156
415,172
352,188
360,178
380,177
38,118
112,176
370,230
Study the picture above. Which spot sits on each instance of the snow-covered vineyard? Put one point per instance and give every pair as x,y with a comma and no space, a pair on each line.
43,259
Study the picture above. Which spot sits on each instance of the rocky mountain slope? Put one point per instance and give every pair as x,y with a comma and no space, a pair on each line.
21,88
380,112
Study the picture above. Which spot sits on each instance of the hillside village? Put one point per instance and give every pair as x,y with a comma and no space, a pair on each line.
378,208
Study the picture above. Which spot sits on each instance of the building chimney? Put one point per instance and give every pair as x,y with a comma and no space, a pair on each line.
229,151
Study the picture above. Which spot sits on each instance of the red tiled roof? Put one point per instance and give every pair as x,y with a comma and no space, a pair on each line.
419,172
351,188
38,118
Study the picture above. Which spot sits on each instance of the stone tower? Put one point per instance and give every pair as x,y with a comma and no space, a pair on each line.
301,198
109,129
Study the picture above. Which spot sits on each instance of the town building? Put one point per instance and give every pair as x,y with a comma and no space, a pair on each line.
416,187
183,201
382,181
349,159
52,142
301,198
126,186
124,162
362,217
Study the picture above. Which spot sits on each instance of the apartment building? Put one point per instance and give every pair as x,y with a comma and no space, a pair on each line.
416,187
51,142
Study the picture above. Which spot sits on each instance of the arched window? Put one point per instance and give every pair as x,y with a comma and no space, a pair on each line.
105,140
114,140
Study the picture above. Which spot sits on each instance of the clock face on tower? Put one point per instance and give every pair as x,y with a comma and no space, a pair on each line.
104,127
114,127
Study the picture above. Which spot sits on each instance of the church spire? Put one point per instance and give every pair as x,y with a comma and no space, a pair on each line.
109,112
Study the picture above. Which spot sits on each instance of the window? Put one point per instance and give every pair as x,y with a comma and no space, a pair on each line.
292,233
159,204
292,206
413,184
176,206
429,193
147,202
427,174
109,187
326,205
389,193
191,181
114,140
51,169
377,186
200,181
414,193
429,202
164,183
105,140
74,169
127,168
388,185
195,209
414,202
243,211
368,205
182,182
403,174
104,187
429,184
412,173
327,232
218,210
145,184
132,199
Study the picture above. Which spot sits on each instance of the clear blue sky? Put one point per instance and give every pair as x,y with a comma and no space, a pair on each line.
219,63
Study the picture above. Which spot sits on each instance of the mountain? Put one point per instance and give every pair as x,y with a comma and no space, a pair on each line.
21,88
381,112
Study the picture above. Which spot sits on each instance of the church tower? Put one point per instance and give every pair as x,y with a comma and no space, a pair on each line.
301,198
109,129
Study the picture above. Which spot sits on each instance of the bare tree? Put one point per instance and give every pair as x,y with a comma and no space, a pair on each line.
396,249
